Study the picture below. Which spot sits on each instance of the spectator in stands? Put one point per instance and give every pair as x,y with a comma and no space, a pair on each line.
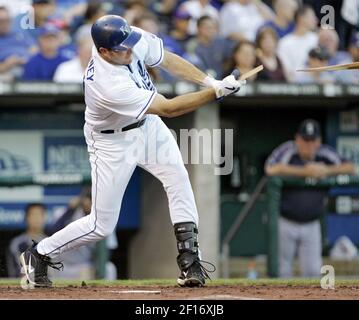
243,58
207,50
317,57
301,209
267,43
134,10
35,217
178,37
43,65
241,19
197,9
15,48
30,22
80,264
329,39
293,49
73,70
68,10
95,10
354,52
283,22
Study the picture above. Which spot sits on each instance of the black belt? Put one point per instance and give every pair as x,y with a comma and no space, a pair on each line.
129,127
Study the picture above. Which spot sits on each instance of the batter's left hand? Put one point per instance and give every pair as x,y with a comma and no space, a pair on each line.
227,86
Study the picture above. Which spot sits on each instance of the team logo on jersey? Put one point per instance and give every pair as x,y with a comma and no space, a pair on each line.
125,30
90,72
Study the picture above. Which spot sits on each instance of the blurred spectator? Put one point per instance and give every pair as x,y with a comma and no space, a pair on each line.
79,264
134,10
329,39
15,48
318,57
301,209
95,10
35,218
267,43
69,9
43,65
163,7
243,58
293,49
354,51
283,22
73,70
15,7
241,19
197,9
178,37
354,46
349,20
208,51
30,22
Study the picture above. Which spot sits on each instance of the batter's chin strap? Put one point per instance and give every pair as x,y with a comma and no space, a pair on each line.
187,245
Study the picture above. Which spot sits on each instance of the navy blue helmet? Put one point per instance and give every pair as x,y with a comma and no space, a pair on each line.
113,32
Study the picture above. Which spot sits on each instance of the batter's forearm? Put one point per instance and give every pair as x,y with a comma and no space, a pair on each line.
189,102
182,69
179,105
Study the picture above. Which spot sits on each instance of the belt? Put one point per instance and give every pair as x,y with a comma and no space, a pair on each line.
129,127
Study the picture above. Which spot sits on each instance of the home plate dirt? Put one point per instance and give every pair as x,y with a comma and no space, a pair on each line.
163,292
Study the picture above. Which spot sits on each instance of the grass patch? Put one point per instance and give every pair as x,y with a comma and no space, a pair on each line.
172,282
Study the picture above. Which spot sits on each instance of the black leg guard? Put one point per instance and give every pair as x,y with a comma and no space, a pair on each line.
187,244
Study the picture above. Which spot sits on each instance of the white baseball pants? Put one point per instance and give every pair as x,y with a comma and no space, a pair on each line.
114,158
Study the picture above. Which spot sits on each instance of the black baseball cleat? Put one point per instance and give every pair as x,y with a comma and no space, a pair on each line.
34,266
195,275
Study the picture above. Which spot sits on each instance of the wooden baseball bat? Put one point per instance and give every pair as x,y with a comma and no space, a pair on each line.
250,73
345,66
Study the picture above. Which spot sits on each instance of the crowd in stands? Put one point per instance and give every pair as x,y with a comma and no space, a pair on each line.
50,40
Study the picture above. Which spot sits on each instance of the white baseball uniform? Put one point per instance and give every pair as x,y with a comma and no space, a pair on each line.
117,96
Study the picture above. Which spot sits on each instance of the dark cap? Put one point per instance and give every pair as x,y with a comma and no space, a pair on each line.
182,14
354,39
48,29
319,53
309,129
41,1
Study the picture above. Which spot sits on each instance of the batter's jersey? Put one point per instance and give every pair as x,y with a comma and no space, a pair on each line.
118,95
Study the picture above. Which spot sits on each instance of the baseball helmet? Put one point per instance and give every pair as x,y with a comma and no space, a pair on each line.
113,32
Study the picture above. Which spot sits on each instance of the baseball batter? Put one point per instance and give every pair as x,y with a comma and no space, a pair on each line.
123,129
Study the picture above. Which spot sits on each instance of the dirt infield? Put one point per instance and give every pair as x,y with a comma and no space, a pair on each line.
171,292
